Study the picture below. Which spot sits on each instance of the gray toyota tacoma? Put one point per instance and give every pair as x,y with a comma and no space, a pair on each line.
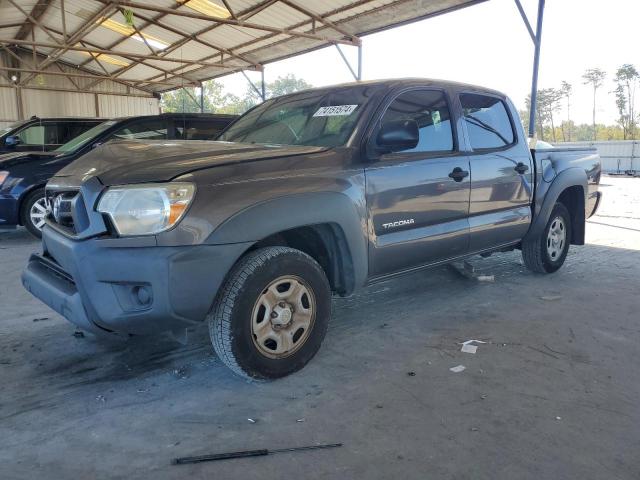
307,195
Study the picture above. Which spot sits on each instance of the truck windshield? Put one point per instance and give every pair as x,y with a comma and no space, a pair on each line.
324,118
86,137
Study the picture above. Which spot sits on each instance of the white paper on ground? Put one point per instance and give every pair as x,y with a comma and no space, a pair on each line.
458,368
469,348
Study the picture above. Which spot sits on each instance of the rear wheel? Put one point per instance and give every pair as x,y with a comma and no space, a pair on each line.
33,212
547,252
272,313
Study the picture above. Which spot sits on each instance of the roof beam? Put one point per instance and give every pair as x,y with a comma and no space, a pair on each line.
97,92
321,19
82,75
195,37
234,22
203,63
266,4
37,11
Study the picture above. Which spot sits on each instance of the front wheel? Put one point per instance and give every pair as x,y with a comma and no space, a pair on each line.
34,211
547,252
272,313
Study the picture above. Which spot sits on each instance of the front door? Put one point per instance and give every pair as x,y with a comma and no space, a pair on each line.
501,173
418,199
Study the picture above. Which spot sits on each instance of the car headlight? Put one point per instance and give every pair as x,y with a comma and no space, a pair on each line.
3,176
146,209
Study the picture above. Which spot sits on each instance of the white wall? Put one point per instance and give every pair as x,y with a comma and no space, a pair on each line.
617,155
117,106
48,95
57,104
8,105
47,103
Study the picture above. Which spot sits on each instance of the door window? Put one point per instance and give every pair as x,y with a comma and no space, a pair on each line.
198,129
38,135
428,108
487,121
144,130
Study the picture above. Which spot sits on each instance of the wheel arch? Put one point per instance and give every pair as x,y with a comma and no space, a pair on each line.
570,188
328,226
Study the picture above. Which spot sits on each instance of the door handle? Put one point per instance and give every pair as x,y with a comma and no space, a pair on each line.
458,174
521,168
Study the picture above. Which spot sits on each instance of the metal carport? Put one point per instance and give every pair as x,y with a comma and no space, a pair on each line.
115,57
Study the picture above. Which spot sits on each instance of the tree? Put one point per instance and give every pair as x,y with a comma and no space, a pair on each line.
626,79
280,86
547,103
594,77
188,99
287,84
565,90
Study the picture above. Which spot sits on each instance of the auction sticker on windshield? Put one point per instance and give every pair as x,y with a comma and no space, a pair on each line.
335,111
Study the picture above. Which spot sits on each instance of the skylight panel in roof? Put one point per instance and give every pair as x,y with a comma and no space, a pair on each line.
129,31
206,7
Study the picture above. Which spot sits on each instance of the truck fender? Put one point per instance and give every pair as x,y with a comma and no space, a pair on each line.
547,195
270,217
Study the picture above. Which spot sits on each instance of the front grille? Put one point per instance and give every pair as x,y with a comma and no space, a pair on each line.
66,210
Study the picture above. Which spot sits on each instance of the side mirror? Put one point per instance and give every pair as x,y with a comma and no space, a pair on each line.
12,140
397,135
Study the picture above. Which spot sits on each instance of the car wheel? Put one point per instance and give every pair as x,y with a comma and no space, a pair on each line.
547,253
271,314
33,212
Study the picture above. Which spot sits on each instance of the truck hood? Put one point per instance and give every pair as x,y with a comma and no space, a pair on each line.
160,161
13,159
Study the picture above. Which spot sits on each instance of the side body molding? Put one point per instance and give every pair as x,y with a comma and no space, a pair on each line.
547,194
344,211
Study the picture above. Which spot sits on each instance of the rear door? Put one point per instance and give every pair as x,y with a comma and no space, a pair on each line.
142,129
417,204
501,172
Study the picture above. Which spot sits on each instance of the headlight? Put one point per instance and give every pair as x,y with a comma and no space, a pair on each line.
146,209
3,177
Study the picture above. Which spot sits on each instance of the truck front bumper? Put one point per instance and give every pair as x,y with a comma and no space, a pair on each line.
112,285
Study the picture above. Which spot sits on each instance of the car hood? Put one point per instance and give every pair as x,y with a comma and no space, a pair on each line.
158,161
13,159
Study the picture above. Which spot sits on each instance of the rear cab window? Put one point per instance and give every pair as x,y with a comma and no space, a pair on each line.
487,120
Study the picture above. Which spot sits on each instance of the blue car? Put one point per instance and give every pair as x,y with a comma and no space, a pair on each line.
23,175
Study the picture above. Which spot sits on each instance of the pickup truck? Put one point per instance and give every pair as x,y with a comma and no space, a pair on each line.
307,195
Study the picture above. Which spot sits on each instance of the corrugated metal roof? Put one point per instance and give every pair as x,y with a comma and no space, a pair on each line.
198,46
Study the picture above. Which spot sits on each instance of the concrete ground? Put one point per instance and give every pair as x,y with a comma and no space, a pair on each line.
553,394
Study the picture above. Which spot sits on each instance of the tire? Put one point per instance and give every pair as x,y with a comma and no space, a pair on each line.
250,329
34,201
547,252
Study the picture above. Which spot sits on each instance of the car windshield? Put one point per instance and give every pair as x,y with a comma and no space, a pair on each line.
324,118
86,137
13,126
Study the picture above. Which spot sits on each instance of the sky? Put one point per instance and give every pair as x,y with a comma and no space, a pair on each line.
488,45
